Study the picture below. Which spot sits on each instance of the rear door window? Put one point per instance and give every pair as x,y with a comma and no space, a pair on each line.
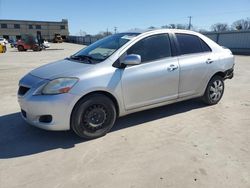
190,44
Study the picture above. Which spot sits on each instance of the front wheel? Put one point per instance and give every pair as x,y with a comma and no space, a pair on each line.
93,116
214,91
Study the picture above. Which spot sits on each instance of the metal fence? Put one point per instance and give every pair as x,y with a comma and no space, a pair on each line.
237,41
85,40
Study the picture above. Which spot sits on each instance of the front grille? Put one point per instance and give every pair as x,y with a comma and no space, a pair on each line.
22,90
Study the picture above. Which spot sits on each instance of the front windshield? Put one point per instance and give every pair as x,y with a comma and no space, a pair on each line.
105,47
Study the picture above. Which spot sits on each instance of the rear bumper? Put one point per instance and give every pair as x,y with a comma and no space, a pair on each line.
229,74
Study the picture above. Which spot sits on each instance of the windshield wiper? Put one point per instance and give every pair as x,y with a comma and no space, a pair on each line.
82,57
90,59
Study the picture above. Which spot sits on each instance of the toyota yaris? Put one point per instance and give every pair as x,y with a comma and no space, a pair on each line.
122,74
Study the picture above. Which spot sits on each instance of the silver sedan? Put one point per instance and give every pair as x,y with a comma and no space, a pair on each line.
122,74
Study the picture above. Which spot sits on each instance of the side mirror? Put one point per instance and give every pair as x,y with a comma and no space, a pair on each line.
132,59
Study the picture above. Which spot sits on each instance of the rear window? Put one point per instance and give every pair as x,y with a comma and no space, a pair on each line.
190,44
205,47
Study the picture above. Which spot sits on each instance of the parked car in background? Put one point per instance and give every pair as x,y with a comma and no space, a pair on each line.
13,43
3,48
45,44
58,38
122,74
3,40
28,42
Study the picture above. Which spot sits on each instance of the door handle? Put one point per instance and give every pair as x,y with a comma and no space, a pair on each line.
209,61
172,67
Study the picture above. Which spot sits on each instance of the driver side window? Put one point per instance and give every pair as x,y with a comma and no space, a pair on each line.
152,48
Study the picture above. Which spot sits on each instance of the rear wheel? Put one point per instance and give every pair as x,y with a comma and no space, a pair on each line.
93,116
214,91
20,48
36,49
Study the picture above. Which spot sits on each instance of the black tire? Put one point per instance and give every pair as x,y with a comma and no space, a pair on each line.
214,90
36,49
93,116
20,48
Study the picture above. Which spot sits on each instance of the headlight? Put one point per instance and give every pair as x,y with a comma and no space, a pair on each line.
58,86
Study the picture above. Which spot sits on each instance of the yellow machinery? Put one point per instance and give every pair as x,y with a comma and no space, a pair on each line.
2,48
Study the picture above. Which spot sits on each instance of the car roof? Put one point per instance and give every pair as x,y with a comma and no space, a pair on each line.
149,32
142,31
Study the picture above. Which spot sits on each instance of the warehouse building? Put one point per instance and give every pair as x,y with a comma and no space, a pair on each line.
13,29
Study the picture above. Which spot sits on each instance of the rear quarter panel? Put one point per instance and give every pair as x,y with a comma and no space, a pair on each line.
224,61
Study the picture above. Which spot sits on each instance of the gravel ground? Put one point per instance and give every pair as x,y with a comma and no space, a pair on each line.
181,145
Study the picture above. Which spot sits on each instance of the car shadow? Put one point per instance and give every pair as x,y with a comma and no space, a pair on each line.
53,49
18,139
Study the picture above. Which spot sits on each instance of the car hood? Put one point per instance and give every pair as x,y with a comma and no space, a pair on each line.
63,68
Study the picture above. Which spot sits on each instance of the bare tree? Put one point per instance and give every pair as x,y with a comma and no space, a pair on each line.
175,26
202,30
82,33
151,27
165,27
102,34
182,26
243,24
218,27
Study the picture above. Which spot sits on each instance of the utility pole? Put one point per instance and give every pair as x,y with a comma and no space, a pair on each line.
107,33
190,22
115,29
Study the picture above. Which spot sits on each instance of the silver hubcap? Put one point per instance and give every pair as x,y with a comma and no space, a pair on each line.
216,90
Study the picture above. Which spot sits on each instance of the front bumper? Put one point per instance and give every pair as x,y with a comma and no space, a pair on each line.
58,107
37,108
